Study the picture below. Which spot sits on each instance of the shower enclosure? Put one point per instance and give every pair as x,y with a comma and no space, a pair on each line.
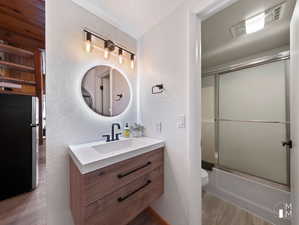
245,118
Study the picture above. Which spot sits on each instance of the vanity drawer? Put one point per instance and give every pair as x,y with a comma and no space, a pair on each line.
121,206
106,180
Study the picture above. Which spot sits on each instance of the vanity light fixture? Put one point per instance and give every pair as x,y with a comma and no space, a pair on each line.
88,44
120,56
157,89
109,47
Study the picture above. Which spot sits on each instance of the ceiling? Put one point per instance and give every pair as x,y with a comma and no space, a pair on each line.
134,17
23,22
219,47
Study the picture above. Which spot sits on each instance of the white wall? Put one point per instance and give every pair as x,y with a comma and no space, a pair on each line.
69,120
170,54
162,61
164,57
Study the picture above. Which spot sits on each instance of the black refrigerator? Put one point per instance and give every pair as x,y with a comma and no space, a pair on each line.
18,144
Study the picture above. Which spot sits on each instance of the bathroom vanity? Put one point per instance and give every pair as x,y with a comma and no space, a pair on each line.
111,183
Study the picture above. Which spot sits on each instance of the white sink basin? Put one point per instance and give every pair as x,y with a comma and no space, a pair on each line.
95,155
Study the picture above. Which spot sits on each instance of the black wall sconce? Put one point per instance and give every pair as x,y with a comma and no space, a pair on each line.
157,89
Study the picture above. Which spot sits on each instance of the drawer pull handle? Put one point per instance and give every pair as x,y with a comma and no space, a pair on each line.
122,175
121,199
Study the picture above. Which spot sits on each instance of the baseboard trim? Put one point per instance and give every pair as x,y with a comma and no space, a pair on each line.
156,216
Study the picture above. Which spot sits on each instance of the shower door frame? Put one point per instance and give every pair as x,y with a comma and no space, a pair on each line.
282,56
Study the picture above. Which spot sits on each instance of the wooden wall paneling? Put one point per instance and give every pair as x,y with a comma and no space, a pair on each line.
26,17
32,11
21,41
13,24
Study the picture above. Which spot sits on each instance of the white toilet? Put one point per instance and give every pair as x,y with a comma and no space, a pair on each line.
204,177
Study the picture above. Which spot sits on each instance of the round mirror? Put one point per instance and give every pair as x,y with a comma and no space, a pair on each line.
106,91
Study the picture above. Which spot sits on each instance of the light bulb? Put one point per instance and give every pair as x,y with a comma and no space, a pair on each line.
106,53
255,23
132,61
120,56
120,59
88,44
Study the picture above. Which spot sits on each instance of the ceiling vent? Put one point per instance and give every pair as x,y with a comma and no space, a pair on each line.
259,21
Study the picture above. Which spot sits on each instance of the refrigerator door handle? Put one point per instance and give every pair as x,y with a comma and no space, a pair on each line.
34,126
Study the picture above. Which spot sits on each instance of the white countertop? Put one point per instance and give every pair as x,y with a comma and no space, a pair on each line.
95,155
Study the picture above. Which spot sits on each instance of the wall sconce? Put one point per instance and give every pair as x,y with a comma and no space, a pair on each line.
157,89
120,56
109,46
132,61
88,44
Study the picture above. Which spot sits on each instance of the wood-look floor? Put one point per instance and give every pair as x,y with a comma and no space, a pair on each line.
218,212
28,208
144,219
215,212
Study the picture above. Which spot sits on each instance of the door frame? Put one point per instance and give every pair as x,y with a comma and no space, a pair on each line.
294,110
197,12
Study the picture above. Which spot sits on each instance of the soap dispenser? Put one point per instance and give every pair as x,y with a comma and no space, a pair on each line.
126,132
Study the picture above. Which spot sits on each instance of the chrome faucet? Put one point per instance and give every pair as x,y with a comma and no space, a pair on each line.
114,136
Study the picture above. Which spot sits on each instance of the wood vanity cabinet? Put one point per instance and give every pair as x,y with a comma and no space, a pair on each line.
116,194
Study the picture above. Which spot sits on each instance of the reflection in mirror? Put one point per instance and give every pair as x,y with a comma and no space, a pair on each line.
106,91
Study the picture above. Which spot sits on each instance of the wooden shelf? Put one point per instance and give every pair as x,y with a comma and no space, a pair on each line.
11,65
17,81
15,50
17,93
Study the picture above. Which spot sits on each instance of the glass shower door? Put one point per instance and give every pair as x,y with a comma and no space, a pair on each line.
208,119
252,121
